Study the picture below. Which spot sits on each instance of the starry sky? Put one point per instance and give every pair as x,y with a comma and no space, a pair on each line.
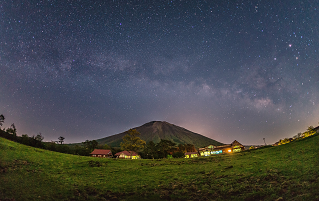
243,70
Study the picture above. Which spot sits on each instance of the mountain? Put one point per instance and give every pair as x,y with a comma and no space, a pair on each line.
157,130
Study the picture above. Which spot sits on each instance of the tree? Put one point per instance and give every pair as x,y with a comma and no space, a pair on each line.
36,141
39,137
1,119
284,141
51,146
103,146
186,148
150,150
25,139
190,148
297,136
63,148
182,148
179,154
164,147
310,131
61,139
310,128
90,145
131,141
12,130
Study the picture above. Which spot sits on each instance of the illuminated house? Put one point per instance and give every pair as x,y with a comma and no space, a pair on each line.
127,155
102,153
191,154
207,151
228,148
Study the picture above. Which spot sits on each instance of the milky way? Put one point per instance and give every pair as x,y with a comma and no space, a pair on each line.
90,69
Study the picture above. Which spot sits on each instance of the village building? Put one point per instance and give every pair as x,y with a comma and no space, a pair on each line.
191,154
127,155
228,148
101,153
206,151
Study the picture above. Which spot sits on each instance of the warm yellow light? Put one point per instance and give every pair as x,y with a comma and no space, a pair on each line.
229,150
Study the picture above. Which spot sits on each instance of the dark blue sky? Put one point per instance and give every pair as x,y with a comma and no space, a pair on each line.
90,69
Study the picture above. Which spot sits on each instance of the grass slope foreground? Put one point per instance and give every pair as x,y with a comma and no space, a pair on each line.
286,172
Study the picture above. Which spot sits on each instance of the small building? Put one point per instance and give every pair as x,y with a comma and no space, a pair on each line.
127,155
101,153
227,148
206,151
191,154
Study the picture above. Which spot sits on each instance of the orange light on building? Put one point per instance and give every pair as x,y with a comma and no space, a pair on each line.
229,150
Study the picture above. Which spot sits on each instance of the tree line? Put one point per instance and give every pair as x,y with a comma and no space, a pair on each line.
131,142
84,149
166,149
309,132
151,150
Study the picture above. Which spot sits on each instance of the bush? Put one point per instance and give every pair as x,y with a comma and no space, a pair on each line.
63,148
178,154
94,164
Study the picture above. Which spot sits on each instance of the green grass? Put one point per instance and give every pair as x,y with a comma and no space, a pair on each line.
286,172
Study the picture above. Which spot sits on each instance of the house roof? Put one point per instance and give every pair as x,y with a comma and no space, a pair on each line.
101,152
236,143
228,145
223,146
127,153
189,153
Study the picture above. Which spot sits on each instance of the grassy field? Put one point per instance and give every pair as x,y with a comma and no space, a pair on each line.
286,172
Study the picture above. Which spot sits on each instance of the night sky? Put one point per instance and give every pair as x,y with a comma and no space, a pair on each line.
227,70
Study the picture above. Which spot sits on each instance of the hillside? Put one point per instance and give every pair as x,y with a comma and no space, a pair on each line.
286,172
157,130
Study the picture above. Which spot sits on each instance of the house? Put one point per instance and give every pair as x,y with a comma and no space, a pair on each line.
209,150
206,151
101,153
237,147
127,155
227,148
276,144
191,154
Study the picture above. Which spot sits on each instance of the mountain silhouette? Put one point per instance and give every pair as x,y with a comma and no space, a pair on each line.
157,130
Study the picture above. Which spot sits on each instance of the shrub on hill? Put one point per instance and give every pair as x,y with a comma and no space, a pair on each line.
178,154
